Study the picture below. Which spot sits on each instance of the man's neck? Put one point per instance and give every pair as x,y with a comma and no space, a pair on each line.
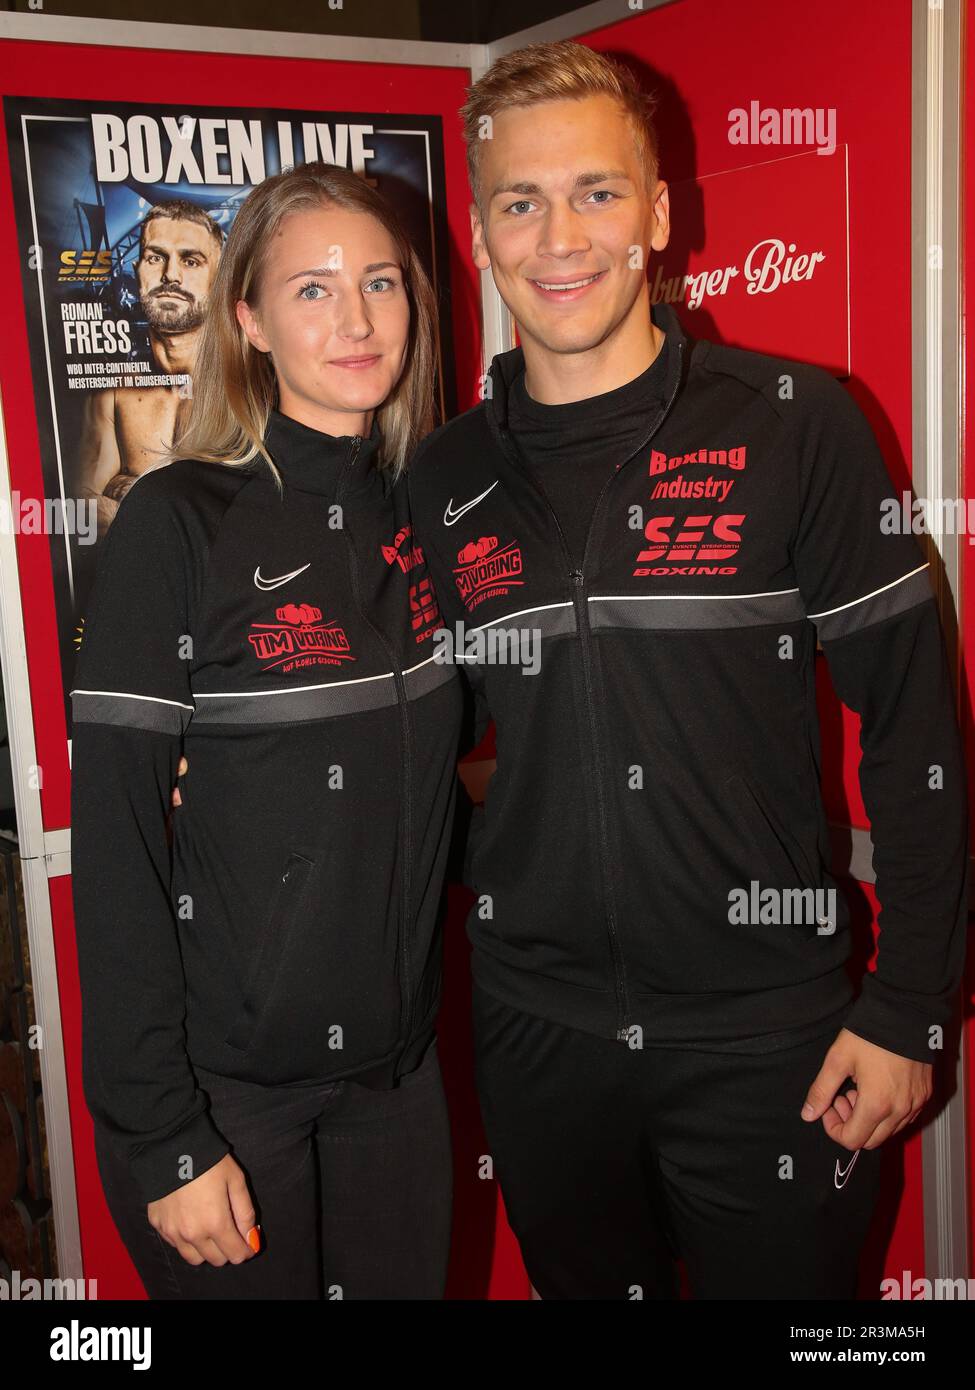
556,378
175,352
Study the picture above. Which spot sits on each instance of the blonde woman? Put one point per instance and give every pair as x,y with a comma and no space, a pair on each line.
259,995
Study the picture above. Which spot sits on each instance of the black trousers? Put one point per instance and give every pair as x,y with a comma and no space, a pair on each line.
613,1162
352,1187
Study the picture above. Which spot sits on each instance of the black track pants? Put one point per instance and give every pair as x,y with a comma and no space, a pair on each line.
613,1161
352,1188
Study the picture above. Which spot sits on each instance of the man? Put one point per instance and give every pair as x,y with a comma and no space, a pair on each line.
127,429
660,983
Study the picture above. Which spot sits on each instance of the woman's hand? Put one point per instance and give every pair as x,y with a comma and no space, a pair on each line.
175,800
211,1219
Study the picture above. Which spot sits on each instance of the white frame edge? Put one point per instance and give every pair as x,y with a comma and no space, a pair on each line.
258,43
936,104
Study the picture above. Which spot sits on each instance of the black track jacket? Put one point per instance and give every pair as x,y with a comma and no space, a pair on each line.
664,763
292,934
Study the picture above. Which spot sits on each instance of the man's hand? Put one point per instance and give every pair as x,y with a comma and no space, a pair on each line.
117,488
105,511
890,1092
211,1219
183,765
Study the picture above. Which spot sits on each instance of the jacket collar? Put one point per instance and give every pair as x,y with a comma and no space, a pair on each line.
312,461
506,366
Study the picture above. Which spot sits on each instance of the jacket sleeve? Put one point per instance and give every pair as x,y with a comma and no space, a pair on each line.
131,702
866,585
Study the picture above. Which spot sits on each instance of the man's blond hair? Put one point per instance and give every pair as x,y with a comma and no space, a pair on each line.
556,72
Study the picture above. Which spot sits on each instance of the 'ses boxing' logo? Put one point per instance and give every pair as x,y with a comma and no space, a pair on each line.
84,265
694,549
424,610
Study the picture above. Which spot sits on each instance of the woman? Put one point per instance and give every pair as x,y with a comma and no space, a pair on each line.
259,998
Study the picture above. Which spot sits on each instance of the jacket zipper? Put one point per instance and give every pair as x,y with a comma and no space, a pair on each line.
581,602
406,821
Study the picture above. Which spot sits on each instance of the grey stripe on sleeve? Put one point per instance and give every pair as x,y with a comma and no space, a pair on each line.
318,701
131,711
908,591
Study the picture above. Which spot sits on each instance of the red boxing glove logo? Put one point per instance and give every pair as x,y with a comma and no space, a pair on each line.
477,550
302,613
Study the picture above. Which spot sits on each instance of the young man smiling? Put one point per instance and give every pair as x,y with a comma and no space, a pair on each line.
664,1051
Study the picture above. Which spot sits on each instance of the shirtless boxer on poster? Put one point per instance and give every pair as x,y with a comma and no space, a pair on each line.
126,429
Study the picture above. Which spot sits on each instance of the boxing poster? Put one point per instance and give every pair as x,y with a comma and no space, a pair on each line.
122,212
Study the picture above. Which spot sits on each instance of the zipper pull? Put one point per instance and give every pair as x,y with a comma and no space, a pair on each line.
576,576
347,470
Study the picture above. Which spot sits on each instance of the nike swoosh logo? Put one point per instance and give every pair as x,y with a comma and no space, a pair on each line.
845,1172
451,515
263,583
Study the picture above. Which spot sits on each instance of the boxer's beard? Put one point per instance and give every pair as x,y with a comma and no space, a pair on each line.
182,315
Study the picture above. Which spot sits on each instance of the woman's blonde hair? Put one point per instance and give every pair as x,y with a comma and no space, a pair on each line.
560,71
234,384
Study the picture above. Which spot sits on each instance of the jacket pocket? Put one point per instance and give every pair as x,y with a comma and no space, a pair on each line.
277,927
783,855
